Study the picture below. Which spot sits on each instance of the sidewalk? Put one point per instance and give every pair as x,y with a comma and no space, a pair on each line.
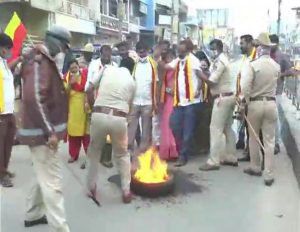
226,200
290,132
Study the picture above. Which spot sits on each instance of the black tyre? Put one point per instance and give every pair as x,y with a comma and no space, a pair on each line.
153,190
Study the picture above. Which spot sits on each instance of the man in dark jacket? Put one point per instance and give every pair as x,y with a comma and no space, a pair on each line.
44,118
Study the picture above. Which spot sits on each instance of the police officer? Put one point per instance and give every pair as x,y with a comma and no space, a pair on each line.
109,117
258,90
43,125
220,82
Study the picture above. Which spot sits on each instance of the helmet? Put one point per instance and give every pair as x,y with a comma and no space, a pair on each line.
60,33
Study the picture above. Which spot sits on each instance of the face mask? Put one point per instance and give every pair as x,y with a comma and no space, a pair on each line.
59,60
143,59
7,54
243,51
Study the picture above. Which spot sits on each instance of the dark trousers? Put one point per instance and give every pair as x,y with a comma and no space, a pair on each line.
7,135
182,123
201,138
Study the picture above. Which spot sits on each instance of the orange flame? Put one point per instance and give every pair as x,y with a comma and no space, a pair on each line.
152,169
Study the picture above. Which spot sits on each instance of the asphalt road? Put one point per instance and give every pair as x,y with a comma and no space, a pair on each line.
225,200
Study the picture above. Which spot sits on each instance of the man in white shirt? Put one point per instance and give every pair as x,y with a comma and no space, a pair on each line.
97,65
187,95
7,118
144,102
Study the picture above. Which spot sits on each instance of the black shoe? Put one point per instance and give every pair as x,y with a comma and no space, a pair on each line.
240,145
181,162
277,149
41,221
229,163
251,172
6,182
107,164
269,182
83,165
244,159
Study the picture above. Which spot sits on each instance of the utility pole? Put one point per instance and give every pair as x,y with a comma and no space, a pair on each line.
121,12
279,17
172,22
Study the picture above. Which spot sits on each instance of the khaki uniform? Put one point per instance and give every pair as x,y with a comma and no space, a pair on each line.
259,88
116,91
45,194
223,107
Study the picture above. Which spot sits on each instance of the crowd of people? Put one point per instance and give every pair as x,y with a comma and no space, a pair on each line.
142,100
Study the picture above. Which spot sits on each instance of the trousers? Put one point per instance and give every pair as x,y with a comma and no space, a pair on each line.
45,196
116,127
145,114
182,124
263,116
220,126
75,144
7,134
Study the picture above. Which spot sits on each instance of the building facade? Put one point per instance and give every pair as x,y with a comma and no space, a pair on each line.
95,21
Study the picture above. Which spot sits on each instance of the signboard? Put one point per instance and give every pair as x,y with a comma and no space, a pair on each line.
164,20
111,23
167,3
167,34
75,25
143,8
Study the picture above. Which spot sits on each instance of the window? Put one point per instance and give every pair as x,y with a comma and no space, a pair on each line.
103,7
213,17
113,8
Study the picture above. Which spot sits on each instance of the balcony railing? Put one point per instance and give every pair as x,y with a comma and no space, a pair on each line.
111,23
77,10
292,89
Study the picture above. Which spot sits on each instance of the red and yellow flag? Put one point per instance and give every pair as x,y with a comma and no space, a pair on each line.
17,32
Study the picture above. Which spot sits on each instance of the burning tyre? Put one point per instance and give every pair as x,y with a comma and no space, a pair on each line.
152,178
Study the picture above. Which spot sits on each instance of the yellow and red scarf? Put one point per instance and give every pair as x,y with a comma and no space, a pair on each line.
238,81
154,80
2,106
205,91
188,81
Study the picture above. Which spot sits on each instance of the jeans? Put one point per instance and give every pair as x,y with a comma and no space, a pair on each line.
182,123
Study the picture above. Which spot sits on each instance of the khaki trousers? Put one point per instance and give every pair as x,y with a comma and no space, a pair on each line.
221,125
101,126
45,196
262,115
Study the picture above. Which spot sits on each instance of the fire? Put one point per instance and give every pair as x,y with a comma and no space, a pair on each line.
152,169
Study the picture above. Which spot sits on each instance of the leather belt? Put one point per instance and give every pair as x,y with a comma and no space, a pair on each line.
223,95
109,110
261,98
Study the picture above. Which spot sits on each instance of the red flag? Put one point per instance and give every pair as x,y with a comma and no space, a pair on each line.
17,32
